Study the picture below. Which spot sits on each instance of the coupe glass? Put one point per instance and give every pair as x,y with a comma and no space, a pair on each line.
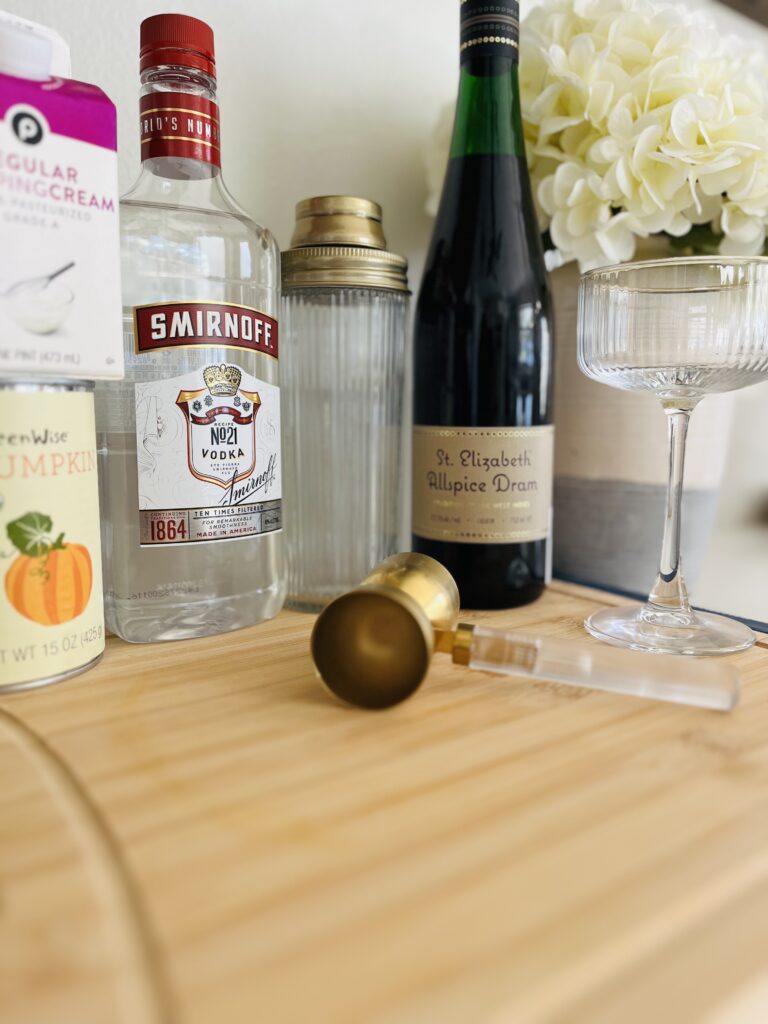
682,329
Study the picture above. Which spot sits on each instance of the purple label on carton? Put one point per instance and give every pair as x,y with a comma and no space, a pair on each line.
60,267
60,106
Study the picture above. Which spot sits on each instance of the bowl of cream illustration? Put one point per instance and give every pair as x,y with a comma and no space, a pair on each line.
40,306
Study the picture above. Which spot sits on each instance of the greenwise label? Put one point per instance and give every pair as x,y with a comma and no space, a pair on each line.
51,618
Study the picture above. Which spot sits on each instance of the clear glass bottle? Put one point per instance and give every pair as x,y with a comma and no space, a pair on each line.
189,252
345,315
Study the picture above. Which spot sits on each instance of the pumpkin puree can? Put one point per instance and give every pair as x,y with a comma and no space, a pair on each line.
51,609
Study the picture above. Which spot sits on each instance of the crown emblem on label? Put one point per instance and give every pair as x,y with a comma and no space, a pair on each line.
222,380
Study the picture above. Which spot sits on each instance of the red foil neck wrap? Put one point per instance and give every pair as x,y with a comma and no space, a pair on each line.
180,124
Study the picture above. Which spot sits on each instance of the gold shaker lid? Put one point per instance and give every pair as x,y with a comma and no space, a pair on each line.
338,220
338,241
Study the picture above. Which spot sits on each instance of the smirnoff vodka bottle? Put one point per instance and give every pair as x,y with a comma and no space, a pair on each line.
190,441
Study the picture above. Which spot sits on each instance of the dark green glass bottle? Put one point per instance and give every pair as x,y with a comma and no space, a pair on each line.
483,435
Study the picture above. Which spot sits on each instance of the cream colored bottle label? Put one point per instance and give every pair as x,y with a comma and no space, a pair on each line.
482,485
51,615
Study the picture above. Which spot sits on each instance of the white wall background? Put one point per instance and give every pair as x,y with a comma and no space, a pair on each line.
341,96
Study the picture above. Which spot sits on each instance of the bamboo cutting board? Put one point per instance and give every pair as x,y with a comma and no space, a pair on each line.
195,833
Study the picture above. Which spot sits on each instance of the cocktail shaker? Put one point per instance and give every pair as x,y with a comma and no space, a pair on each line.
343,359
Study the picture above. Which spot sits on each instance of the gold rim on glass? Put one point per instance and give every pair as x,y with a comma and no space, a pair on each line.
614,268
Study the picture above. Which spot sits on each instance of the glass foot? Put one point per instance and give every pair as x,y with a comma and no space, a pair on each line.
643,629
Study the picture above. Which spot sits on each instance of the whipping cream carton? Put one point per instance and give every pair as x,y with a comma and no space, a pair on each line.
60,307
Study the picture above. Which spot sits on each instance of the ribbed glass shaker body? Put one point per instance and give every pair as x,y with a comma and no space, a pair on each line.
342,375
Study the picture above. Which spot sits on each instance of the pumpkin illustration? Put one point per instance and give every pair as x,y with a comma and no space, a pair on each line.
50,582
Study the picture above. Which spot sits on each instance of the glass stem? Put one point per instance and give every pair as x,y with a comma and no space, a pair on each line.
669,593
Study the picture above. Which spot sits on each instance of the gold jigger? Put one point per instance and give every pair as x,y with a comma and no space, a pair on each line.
372,646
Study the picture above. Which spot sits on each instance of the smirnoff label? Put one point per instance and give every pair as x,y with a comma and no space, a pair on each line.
179,124
219,324
208,454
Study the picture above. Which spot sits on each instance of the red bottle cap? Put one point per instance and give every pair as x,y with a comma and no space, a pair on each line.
177,39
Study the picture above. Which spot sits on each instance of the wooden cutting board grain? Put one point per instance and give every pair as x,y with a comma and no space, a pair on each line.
195,833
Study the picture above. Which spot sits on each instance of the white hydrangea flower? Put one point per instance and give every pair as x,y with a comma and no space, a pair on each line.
744,232
639,118
576,202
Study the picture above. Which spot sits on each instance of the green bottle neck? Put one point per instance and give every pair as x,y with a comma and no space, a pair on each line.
488,118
